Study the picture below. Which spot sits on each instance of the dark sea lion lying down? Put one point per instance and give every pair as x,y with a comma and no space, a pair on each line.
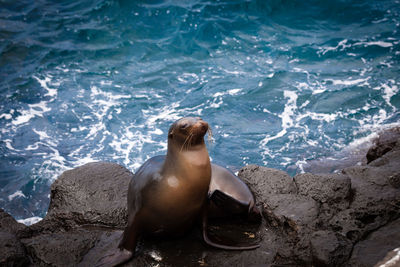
169,193
230,196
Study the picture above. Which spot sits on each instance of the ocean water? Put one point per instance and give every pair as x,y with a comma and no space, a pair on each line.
281,82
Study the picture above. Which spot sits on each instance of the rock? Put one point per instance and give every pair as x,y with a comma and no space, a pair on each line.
383,144
265,181
292,213
332,189
94,193
375,202
108,241
329,249
375,247
9,224
60,248
392,259
394,180
12,253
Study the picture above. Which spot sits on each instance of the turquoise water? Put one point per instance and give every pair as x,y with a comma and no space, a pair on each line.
280,82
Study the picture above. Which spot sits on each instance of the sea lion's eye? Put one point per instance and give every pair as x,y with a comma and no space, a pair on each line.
184,126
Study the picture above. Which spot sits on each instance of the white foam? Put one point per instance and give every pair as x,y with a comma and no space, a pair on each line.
30,221
51,92
157,132
319,116
166,113
191,78
302,85
340,46
6,116
9,145
16,194
300,165
234,72
42,134
286,117
348,82
288,112
377,43
235,91
394,261
388,91
232,92
34,110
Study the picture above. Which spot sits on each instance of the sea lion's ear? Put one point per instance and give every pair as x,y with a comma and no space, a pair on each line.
170,134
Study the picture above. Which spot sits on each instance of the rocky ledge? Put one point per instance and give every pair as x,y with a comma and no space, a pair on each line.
351,218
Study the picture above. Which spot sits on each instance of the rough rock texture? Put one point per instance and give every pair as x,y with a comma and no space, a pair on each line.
91,194
9,224
350,218
386,239
383,144
329,248
266,181
12,253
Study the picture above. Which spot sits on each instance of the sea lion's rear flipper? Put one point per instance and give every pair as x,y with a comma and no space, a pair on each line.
228,203
211,243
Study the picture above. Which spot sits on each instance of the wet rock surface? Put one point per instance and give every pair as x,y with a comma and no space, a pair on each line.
384,143
91,194
349,218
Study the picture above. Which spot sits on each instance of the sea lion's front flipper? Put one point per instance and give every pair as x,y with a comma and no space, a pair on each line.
114,258
126,247
105,251
209,242
228,203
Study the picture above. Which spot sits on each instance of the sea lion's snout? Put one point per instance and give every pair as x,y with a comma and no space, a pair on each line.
201,127
189,131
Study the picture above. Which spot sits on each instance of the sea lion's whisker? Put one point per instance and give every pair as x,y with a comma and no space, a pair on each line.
190,141
210,138
186,140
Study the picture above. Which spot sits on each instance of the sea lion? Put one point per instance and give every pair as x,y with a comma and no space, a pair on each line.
230,196
169,193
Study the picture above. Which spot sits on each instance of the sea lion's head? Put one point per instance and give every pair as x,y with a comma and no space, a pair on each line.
188,131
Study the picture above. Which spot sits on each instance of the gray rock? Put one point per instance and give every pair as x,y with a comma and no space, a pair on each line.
333,189
60,248
12,253
375,202
388,159
292,213
383,144
394,180
392,259
375,247
265,181
91,194
9,224
329,249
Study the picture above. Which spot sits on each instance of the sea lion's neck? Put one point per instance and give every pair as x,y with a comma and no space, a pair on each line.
189,159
